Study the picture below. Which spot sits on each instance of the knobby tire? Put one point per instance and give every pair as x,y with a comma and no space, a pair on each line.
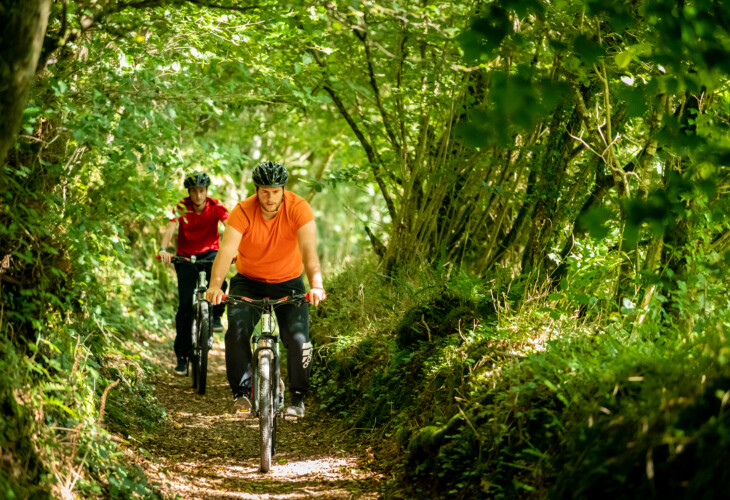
194,360
266,409
203,338
278,405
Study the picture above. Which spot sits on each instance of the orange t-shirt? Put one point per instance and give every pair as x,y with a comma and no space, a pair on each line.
269,249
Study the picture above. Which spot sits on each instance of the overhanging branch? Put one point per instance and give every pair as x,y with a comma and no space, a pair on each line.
376,91
369,149
215,5
104,9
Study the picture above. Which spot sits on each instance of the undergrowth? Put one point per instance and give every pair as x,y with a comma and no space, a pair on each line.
475,395
76,297
68,400
70,366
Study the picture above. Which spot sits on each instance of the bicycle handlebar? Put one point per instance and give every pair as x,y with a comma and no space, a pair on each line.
179,258
298,299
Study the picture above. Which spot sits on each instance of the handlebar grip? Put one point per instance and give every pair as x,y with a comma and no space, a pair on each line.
224,297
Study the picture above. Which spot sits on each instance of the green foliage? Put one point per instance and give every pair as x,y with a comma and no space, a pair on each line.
447,312
369,374
488,135
77,191
23,473
52,432
551,398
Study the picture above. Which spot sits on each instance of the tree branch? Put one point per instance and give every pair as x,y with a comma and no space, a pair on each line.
369,150
362,36
52,43
215,5
399,80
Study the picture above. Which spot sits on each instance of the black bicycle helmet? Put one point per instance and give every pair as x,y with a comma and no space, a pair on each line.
270,174
197,179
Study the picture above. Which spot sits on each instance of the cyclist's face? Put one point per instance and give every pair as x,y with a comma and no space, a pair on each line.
270,199
198,195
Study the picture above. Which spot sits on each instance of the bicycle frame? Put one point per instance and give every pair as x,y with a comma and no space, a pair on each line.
198,296
201,335
198,293
268,391
267,340
270,340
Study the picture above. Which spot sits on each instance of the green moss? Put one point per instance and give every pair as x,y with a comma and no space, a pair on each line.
446,313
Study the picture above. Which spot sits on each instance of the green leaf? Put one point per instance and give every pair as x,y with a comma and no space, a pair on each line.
623,59
595,221
589,50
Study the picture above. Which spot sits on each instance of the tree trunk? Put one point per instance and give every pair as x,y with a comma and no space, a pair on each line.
22,28
553,166
674,258
600,189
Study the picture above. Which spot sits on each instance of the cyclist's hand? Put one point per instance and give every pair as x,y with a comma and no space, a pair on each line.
214,295
316,295
165,257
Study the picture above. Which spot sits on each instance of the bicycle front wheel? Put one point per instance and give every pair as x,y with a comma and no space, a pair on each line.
194,358
203,345
266,409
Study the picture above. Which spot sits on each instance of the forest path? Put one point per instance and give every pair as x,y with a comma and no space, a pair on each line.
203,451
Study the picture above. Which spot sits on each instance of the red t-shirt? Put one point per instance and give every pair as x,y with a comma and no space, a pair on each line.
198,233
269,249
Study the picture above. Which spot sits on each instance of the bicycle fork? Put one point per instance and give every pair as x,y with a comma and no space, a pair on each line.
267,340
198,295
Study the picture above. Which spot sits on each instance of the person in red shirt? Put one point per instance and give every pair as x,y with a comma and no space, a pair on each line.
197,234
274,234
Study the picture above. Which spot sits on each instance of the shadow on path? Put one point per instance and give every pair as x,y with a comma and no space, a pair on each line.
203,451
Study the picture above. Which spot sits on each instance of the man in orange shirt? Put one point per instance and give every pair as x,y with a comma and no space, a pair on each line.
274,234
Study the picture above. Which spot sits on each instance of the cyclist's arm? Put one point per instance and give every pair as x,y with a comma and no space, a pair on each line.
228,249
307,236
166,239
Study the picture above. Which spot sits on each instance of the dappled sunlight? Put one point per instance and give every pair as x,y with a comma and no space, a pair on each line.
520,217
205,451
325,477
328,467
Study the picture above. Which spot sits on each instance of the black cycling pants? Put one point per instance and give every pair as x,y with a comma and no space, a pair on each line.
293,324
187,278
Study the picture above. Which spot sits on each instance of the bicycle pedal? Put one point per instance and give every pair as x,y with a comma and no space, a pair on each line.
242,407
243,413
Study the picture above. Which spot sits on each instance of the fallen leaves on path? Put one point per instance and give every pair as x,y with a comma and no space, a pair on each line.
202,451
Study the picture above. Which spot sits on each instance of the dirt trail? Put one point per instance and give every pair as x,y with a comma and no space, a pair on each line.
203,451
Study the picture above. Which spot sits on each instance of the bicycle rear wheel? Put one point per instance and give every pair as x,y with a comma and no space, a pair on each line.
266,409
203,338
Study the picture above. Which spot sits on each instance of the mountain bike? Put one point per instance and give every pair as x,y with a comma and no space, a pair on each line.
201,335
267,385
